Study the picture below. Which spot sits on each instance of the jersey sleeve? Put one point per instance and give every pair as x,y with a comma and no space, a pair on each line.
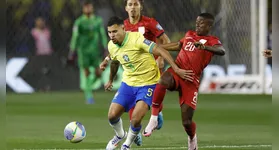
156,28
144,44
182,39
215,41
74,38
111,52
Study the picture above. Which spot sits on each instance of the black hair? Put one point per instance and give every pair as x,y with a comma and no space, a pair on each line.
115,20
208,16
141,2
87,2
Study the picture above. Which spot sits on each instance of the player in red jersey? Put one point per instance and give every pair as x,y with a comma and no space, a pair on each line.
196,50
152,31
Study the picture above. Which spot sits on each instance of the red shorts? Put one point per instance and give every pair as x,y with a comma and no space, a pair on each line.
188,92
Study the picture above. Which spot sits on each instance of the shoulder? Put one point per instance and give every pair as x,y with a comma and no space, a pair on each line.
134,35
126,22
149,20
79,19
190,32
211,37
111,46
99,18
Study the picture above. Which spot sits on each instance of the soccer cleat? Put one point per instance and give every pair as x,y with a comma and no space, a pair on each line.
160,121
90,101
138,140
113,143
152,125
193,143
125,147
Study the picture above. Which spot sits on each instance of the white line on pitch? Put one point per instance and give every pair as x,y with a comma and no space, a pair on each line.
170,148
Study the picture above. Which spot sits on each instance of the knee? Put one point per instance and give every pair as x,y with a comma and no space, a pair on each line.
163,82
112,116
136,121
187,123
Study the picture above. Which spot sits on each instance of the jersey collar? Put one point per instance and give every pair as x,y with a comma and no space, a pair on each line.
124,41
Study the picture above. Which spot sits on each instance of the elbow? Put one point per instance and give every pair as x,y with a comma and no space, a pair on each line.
222,53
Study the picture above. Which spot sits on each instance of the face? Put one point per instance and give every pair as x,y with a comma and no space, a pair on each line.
40,23
88,9
133,8
116,33
203,26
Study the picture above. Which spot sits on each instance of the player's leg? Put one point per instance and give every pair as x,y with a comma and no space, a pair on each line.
119,105
138,139
143,103
167,81
88,86
84,65
188,102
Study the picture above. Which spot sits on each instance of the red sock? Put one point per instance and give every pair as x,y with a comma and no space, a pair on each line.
192,130
159,94
131,112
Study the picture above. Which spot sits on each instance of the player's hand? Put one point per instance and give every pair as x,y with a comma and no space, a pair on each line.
267,53
185,74
199,45
103,65
108,86
160,62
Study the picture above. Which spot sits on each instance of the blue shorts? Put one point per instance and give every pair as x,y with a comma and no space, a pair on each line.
128,96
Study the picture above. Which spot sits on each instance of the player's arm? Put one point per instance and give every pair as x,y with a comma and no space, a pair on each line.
184,74
114,65
104,63
73,43
174,46
75,35
163,39
216,49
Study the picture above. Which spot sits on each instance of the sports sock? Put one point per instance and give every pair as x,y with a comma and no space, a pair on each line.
159,94
118,127
132,134
192,130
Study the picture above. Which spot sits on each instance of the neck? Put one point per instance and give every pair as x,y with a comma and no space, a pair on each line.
122,39
134,20
88,15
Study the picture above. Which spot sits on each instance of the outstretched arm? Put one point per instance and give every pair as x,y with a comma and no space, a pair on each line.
174,46
216,49
184,74
163,39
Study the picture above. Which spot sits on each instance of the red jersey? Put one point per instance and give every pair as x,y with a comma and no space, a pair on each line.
149,27
193,58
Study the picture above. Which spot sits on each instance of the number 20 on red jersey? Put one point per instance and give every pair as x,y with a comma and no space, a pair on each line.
189,46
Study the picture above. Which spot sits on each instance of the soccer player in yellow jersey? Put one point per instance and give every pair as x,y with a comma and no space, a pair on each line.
140,76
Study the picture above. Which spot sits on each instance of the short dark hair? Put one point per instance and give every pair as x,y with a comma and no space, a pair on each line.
115,20
87,2
208,16
141,2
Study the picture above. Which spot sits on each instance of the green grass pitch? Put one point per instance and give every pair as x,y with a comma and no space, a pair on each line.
223,122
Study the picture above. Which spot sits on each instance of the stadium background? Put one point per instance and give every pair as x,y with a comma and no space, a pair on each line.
227,121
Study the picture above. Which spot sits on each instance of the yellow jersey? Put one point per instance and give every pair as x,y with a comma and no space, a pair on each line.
135,56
